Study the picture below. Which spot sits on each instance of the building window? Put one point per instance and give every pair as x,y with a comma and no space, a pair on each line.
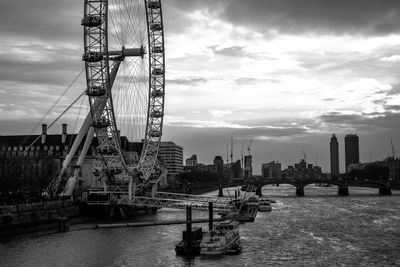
57,147
15,148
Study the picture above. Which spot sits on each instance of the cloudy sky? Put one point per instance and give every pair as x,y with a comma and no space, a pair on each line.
285,73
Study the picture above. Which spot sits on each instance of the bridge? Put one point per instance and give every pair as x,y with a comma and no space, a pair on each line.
342,183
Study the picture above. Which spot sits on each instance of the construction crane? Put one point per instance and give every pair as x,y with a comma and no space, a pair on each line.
227,157
242,158
393,148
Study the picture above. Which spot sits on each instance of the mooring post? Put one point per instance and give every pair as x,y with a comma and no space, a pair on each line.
210,216
189,229
62,224
343,191
220,193
385,191
259,191
300,191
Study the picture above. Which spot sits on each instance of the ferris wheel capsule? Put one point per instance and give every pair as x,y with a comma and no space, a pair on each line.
91,21
154,4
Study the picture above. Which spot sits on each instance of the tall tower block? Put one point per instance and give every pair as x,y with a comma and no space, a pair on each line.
334,156
352,153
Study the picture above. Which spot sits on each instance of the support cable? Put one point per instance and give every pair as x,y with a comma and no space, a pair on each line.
51,109
59,116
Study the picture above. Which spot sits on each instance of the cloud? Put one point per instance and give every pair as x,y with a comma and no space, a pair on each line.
394,58
12,112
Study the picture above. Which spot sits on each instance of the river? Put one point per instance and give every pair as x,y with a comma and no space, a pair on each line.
320,229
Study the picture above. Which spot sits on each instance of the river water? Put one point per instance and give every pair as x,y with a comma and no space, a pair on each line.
320,229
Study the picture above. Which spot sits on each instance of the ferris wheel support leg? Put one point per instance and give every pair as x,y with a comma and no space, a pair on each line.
82,132
131,189
70,186
153,189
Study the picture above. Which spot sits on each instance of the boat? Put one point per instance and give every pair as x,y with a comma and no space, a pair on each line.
264,204
242,210
234,249
184,248
223,238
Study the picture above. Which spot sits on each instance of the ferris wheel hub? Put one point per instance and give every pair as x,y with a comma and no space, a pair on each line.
129,52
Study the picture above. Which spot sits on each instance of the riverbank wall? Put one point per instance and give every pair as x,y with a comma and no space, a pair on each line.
31,215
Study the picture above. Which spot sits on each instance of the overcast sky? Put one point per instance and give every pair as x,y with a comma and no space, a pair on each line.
286,73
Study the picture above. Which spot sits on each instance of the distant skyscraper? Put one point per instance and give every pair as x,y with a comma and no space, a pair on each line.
172,156
192,161
219,164
271,170
248,169
334,156
352,154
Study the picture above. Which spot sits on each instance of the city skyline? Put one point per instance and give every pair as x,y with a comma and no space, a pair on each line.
247,69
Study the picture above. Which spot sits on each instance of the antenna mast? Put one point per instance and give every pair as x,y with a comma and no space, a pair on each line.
231,149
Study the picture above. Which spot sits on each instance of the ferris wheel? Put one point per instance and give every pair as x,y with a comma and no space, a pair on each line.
125,76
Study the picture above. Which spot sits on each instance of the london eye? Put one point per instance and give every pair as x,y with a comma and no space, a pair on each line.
125,75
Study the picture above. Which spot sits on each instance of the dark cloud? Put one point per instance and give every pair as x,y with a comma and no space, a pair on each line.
187,81
250,80
338,117
329,99
392,108
394,91
56,72
376,17
43,19
367,122
339,16
233,51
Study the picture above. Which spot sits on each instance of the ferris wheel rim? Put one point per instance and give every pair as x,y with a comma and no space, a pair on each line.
156,83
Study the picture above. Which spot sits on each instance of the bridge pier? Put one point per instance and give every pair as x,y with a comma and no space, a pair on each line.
300,191
385,191
259,191
343,191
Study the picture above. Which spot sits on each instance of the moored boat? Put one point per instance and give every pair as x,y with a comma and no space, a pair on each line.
184,248
235,248
242,210
264,204
222,238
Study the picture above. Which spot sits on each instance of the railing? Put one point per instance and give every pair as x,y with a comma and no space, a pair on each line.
173,203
